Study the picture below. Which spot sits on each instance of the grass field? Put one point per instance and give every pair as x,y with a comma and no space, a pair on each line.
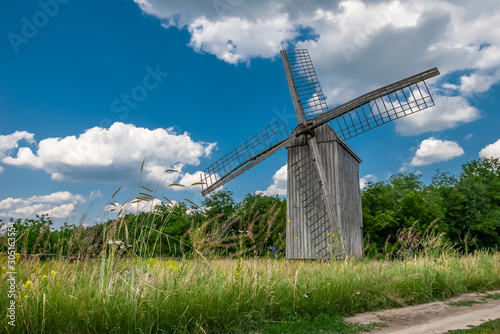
211,296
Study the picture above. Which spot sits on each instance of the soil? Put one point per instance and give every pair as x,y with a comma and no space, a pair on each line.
436,317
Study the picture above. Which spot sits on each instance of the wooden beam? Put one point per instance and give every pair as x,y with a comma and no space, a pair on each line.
327,197
297,106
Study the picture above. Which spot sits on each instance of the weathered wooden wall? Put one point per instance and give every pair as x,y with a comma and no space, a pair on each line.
309,232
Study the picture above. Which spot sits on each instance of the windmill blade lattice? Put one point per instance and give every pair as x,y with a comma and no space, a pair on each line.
306,82
380,106
242,158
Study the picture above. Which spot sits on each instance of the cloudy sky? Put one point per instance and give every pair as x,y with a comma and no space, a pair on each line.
88,90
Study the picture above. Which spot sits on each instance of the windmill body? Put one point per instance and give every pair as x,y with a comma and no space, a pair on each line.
310,234
324,217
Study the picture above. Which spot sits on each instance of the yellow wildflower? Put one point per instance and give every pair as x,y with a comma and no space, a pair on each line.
4,268
27,284
17,255
44,276
25,296
53,272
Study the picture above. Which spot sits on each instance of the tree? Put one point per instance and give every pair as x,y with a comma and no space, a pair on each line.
479,185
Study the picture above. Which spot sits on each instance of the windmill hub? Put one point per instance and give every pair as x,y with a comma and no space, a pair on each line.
324,217
306,130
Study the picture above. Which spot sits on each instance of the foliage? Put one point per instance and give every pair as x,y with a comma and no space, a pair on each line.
465,208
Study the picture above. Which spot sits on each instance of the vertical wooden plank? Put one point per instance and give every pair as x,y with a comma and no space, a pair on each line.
341,170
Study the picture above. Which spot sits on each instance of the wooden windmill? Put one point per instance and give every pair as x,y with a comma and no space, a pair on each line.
323,198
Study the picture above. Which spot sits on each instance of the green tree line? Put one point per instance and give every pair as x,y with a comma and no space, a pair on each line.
465,207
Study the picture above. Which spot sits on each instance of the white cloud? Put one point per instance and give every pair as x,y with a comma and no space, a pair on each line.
365,179
188,179
279,184
57,205
469,136
1,169
236,40
95,194
433,150
491,150
10,142
356,46
114,155
62,211
133,206
59,197
448,112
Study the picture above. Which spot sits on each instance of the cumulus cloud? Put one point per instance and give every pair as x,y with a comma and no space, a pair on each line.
61,204
134,206
448,112
433,150
356,45
189,179
114,155
10,142
236,40
365,179
491,150
279,184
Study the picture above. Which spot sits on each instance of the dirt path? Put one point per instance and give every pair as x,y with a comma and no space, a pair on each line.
436,317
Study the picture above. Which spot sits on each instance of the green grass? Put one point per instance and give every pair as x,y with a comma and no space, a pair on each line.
238,296
465,303
490,327
493,296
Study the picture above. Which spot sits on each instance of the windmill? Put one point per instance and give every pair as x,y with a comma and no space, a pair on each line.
323,198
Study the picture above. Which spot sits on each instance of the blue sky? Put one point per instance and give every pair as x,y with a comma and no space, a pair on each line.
90,89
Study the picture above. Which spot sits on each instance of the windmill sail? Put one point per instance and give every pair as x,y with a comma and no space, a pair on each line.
303,83
380,106
244,157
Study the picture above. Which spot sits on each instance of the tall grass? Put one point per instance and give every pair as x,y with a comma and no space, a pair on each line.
161,296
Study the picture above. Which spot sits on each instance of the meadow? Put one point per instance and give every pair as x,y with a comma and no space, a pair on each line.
112,295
